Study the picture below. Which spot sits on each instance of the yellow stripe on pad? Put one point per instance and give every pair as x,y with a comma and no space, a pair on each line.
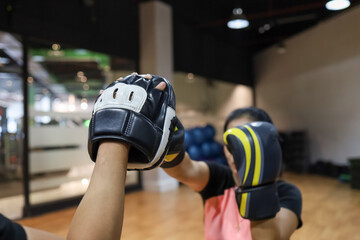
170,157
246,144
243,204
258,166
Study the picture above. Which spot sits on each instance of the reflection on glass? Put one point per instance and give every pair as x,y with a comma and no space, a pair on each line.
63,83
66,81
11,114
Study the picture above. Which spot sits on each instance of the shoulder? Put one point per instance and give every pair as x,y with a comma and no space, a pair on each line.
288,189
220,179
290,198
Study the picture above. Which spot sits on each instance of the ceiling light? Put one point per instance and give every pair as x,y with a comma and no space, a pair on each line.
190,77
4,60
83,105
71,99
80,74
30,80
38,58
72,108
281,48
238,23
335,5
83,79
238,20
55,47
267,27
85,181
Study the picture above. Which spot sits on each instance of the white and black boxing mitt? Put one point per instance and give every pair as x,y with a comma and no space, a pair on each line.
132,110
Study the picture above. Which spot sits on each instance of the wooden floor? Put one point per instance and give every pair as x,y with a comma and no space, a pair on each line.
331,210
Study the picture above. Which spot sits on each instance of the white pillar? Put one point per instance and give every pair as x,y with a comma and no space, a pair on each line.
156,57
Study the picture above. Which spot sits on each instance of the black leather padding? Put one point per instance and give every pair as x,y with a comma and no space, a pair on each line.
176,145
143,130
127,127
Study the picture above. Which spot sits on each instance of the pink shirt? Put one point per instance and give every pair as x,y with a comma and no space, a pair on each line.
222,220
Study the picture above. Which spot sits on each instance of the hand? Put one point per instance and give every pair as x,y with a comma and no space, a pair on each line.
257,157
161,86
176,151
136,111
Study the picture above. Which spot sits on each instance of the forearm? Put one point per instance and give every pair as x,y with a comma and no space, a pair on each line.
265,230
36,234
100,213
192,173
281,227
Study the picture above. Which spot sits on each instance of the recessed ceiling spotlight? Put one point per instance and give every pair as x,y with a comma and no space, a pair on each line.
281,48
30,80
190,77
238,20
55,47
84,104
80,74
83,79
335,5
267,27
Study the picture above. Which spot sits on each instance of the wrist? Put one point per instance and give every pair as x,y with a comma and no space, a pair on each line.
113,150
172,160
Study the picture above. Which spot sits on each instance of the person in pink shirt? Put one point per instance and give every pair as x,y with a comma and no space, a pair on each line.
220,188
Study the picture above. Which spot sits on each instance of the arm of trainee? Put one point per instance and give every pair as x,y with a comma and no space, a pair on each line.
194,174
36,234
100,213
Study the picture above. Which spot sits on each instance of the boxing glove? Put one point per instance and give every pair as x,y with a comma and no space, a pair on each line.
257,156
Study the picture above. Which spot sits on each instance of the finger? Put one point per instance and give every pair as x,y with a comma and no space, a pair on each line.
161,86
101,91
148,76
120,78
134,73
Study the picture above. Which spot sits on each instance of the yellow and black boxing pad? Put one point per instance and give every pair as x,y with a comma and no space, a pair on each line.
176,151
257,156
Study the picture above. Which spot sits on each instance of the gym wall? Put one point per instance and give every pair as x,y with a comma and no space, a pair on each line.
314,86
200,100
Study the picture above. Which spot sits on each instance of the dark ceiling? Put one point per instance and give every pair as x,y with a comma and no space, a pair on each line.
285,18
202,42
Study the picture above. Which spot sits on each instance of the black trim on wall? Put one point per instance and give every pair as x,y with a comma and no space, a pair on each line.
25,154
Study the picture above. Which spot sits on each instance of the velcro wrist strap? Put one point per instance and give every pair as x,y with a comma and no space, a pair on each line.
257,203
173,160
